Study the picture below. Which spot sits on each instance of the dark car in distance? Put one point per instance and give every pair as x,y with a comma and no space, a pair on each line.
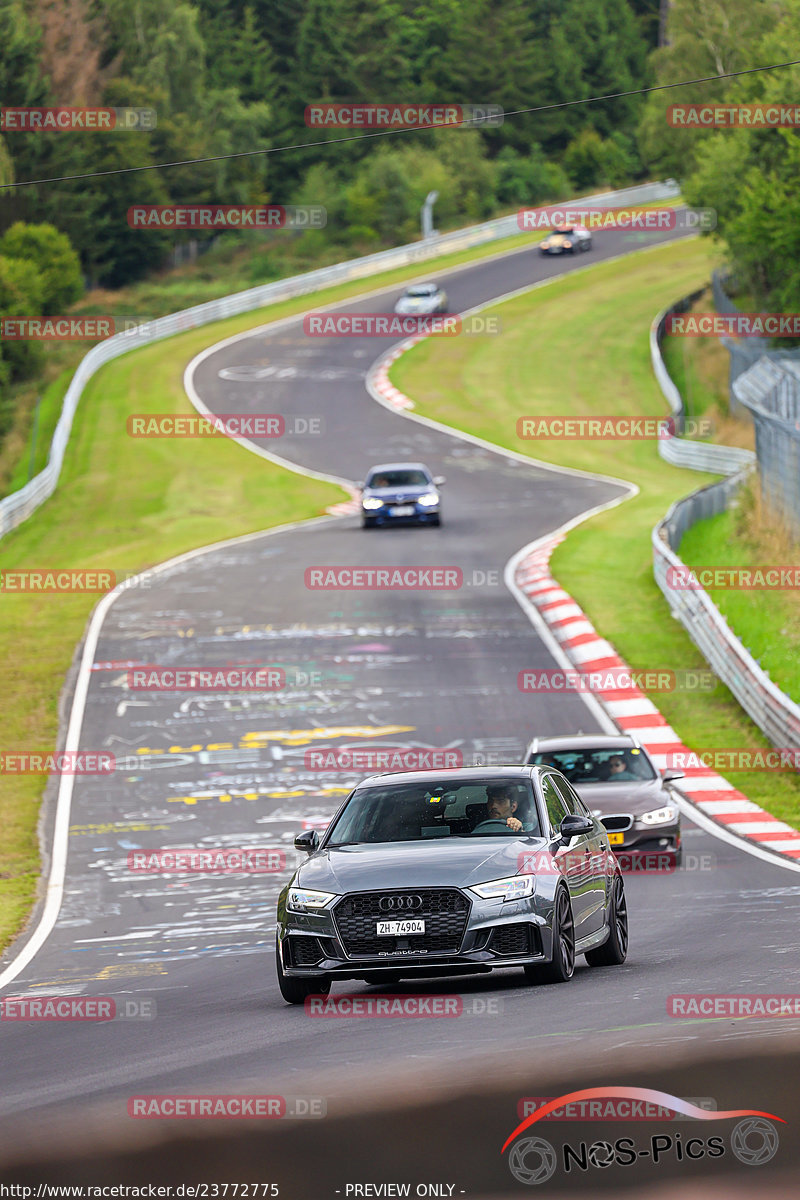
566,239
616,778
456,872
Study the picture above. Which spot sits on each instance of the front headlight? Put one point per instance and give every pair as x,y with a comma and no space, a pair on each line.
514,888
299,900
659,816
371,502
428,498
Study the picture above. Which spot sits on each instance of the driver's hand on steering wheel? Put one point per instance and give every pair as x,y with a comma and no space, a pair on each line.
514,823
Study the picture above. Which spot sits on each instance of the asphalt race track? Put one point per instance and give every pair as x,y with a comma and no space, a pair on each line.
363,668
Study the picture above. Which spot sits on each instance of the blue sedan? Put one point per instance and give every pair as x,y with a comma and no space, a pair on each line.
395,493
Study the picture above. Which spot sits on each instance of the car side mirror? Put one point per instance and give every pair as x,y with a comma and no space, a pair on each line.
359,487
308,840
439,480
670,774
575,824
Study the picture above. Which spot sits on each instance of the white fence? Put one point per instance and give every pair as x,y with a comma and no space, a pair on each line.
681,452
775,713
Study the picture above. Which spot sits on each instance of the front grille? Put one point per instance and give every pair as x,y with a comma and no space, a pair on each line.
617,822
511,939
444,911
304,951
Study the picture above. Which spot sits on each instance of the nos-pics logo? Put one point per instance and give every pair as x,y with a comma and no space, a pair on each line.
533,1160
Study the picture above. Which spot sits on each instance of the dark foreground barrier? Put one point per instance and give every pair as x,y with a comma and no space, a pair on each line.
441,1135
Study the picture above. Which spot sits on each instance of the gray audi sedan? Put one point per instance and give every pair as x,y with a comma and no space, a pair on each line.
448,873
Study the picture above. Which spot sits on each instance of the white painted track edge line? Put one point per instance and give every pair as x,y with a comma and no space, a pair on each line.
54,889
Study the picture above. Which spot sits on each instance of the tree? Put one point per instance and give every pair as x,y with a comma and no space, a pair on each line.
53,257
21,294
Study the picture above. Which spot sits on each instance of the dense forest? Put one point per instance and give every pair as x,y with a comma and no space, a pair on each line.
225,76
229,77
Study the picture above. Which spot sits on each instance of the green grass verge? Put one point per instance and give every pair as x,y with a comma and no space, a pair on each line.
769,626
125,505
153,298
581,346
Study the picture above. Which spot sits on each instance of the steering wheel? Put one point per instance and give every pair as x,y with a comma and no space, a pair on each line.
495,823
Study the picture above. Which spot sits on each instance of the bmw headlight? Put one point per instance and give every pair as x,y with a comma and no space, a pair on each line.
428,499
660,816
514,888
371,502
299,900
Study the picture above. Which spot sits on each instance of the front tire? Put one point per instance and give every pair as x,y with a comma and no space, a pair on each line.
562,966
613,952
297,991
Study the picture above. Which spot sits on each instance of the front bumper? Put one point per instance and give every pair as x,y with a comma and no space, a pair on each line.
383,516
312,946
648,839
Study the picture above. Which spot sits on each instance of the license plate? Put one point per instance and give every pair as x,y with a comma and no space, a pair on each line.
402,510
616,839
399,928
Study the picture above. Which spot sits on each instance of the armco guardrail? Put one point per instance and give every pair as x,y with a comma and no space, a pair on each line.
681,452
17,507
772,710
775,713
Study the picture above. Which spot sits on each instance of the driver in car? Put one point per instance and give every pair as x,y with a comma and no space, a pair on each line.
619,769
501,805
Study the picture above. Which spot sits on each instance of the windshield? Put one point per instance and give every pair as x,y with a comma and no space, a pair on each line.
589,766
422,290
413,812
393,479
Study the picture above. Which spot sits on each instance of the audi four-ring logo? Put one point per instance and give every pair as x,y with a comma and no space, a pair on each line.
389,903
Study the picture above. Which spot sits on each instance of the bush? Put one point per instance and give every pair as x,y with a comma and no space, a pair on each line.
21,292
53,256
